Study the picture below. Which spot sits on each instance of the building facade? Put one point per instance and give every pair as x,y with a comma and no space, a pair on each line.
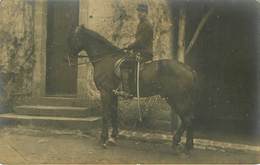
35,48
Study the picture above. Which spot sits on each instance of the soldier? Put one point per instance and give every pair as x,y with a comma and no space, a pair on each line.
143,44
144,35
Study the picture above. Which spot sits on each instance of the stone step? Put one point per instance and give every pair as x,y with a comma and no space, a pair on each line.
52,122
55,111
58,101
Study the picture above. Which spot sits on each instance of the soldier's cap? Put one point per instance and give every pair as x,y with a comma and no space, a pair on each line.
142,8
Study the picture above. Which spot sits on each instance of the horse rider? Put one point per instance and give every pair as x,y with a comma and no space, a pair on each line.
143,44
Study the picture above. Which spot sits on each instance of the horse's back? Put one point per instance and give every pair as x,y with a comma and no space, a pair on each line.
171,67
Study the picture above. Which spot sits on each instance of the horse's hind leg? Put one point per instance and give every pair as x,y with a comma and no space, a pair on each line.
185,124
183,116
187,117
189,135
178,133
177,126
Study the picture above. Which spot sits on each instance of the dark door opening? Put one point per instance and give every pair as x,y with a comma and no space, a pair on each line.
61,79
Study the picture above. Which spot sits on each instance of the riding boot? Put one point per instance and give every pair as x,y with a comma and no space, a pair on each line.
125,81
125,88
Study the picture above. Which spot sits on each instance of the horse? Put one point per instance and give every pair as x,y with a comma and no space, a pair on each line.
172,80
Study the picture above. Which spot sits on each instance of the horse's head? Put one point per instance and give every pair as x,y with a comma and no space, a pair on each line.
76,41
93,43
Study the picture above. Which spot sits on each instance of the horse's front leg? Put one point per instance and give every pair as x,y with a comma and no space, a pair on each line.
114,120
114,116
105,99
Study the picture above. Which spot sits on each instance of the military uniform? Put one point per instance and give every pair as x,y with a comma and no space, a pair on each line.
143,40
143,44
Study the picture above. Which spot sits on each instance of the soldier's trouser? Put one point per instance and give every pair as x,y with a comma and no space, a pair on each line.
125,80
128,73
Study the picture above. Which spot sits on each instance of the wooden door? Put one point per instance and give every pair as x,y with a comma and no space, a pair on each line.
62,17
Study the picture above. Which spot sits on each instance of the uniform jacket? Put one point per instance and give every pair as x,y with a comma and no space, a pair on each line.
143,40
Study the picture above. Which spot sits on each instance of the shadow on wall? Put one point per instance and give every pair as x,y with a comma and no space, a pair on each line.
224,56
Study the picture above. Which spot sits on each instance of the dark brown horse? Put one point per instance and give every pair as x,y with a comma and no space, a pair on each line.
167,78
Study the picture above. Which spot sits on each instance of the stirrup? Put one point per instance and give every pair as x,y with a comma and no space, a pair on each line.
122,94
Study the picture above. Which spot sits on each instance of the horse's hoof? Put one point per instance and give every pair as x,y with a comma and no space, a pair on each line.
185,155
104,145
175,145
189,146
177,148
139,124
112,141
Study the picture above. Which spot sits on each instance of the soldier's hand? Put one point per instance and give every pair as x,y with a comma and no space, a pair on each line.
125,50
138,57
128,50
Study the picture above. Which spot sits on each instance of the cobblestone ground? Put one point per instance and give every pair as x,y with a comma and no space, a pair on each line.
27,145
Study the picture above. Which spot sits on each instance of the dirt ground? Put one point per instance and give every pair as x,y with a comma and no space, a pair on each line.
27,145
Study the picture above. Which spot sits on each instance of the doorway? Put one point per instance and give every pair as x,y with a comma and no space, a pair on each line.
62,17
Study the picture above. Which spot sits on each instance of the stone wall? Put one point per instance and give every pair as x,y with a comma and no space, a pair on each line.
16,47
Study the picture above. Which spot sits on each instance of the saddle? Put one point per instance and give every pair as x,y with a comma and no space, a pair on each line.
129,66
119,64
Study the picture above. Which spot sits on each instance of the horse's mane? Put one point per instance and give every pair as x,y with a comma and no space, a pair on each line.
99,37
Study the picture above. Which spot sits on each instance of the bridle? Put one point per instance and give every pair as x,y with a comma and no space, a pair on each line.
93,61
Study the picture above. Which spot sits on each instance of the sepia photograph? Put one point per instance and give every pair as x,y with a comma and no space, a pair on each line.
129,82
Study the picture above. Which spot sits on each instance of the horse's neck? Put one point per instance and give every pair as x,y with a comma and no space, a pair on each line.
99,49
99,52
96,51
109,59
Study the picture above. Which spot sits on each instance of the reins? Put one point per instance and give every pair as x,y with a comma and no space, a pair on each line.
91,61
